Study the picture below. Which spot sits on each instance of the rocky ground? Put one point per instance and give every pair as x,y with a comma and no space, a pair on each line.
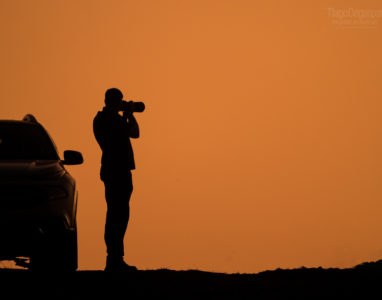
361,282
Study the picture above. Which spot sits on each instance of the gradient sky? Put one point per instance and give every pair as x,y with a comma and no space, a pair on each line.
260,145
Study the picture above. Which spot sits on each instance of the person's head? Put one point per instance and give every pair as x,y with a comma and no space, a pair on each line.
113,98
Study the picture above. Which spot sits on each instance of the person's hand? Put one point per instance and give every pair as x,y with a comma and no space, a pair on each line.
128,113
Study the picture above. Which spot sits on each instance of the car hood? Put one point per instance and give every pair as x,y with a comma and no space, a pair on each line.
37,169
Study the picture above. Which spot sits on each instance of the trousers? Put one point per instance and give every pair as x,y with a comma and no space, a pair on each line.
118,191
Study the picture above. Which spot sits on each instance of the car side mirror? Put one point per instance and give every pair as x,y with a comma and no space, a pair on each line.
72,158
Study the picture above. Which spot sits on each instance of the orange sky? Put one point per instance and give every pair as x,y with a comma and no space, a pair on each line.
260,146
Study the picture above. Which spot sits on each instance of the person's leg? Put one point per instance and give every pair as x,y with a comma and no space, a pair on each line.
118,211
126,191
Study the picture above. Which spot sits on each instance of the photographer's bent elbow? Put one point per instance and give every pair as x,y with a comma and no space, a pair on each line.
134,134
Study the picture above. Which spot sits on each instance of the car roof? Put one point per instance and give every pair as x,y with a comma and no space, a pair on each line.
28,119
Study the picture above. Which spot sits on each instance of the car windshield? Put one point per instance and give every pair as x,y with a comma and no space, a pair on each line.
21,141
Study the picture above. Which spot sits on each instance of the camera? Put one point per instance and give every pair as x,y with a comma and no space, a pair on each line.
132,106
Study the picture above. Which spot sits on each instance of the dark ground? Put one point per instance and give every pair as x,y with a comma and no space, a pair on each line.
361,282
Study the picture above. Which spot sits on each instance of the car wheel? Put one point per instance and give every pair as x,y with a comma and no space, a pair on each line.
56,254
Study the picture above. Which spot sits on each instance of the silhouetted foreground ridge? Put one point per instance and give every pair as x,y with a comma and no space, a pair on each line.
359,282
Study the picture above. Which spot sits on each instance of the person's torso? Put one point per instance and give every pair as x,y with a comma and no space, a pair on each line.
111,133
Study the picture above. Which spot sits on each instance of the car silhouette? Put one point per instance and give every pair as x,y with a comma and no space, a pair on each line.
38,197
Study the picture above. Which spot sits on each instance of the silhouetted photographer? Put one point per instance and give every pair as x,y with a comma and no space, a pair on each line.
113,132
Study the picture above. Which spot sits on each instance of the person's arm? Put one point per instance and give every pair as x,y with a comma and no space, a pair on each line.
132,125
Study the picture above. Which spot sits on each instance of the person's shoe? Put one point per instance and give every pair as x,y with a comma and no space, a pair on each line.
127,268
118,265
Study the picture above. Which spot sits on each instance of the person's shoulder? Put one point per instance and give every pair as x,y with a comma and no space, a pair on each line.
99,117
